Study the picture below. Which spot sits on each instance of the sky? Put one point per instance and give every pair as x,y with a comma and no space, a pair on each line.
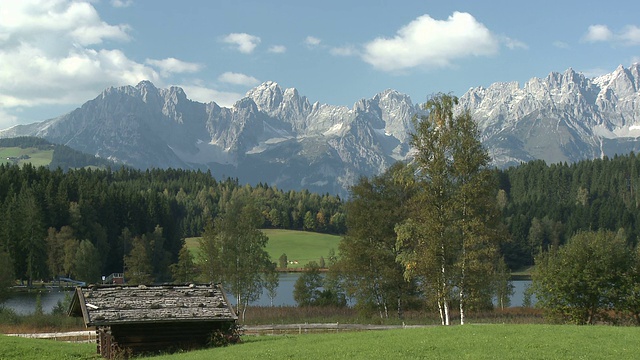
57,54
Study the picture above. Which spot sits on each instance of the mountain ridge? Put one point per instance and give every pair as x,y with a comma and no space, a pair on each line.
278,136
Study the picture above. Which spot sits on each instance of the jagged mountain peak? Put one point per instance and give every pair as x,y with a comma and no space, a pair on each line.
390,93
146,84
267,96
275,135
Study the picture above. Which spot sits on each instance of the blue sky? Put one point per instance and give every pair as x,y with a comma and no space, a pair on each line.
57,54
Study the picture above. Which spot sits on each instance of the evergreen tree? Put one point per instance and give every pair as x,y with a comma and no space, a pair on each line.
7,277
87,262
283,261
139,266
185,270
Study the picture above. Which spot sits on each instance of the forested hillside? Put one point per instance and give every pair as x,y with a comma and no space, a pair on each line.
46,214
54,222
544,205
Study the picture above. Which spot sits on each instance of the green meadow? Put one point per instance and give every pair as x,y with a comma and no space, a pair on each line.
35,349
36,157
300,246
436,342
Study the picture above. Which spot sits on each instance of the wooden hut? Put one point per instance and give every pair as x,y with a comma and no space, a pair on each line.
130,320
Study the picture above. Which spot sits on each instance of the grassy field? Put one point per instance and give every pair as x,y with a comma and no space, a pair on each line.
299,246
36,157
438,342
35,349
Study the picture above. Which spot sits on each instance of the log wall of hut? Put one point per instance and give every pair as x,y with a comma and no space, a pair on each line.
134,339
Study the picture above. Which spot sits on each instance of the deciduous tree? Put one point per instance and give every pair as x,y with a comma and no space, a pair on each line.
233,250
271,281
585,278
450,242
368,252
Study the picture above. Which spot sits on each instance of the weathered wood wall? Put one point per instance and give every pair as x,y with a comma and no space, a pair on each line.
134,339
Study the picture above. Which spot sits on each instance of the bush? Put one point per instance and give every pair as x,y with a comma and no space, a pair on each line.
221,338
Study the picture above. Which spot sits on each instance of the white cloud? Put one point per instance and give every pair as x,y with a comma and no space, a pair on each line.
238,79
203,94
245,43
514,44
51,54
344,51
312,41
57,21
121,3
597,33
30,77
427,42
174,66
278,49
46,59
630,35
7,120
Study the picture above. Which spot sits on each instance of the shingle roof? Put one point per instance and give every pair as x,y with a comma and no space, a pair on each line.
107,305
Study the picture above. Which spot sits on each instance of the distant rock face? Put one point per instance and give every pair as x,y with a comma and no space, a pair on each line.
272,135
278,137
564,117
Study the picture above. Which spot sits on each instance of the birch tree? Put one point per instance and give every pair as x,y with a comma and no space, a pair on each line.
450,241
233,250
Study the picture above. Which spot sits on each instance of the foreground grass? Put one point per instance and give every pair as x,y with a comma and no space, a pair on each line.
437,342
28,349
456,342
300,246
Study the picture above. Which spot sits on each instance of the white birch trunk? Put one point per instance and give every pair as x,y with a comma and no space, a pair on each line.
461,307
446,313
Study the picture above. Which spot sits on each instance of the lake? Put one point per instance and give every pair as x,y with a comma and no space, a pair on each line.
24,303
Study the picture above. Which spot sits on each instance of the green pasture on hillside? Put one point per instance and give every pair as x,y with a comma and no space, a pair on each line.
300,246
437,342
36,157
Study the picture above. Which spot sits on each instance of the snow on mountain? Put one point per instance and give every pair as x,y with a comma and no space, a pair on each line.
278,136
562,117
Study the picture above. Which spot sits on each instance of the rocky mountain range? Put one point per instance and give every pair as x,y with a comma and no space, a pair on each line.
279,137
563,117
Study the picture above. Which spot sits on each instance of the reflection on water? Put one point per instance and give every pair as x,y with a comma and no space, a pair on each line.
284,295
25,303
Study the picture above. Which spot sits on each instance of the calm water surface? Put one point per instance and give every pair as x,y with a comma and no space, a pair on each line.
25,303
